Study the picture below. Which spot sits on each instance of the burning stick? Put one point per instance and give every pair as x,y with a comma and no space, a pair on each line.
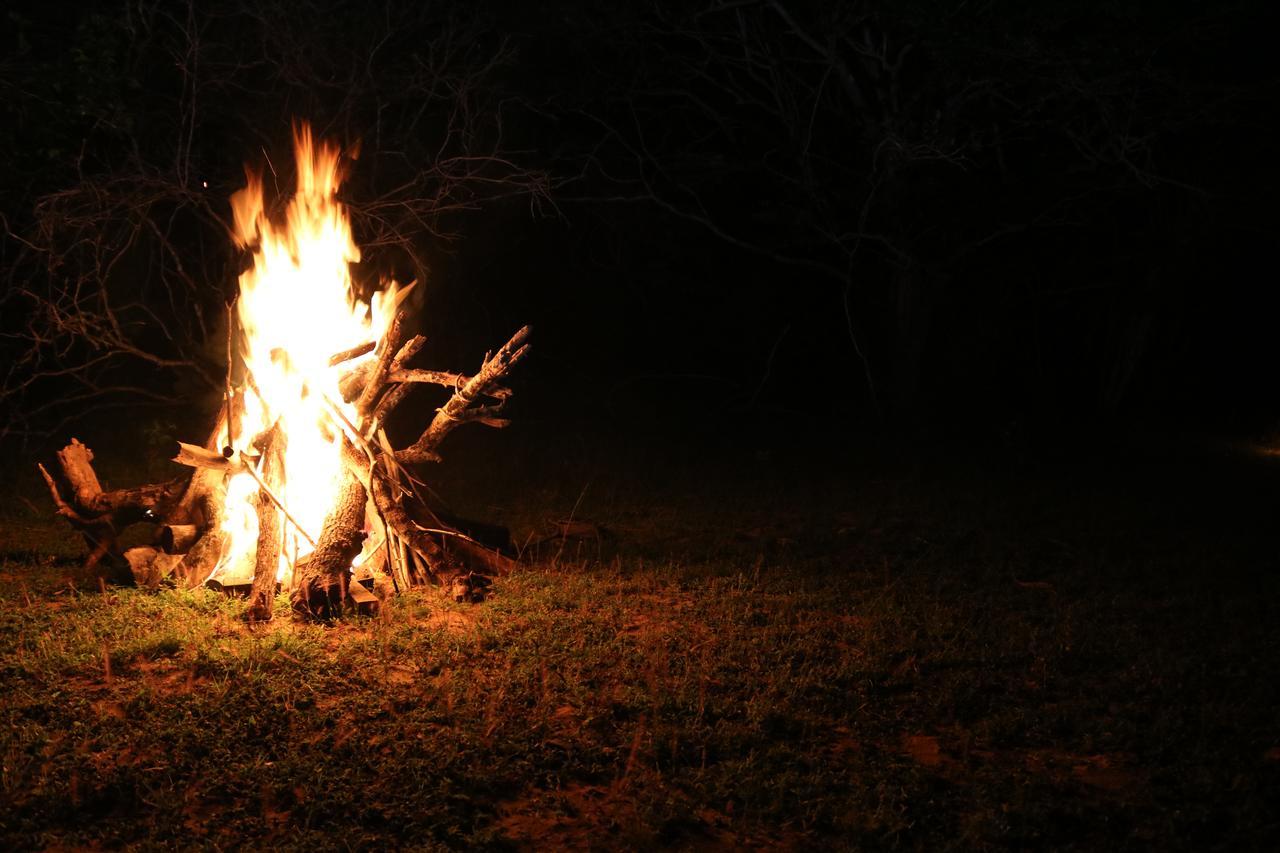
229,448
348,354
267,556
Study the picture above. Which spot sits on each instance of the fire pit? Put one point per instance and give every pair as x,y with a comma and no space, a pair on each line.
297,485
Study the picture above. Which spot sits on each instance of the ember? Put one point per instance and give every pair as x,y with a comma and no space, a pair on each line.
298,484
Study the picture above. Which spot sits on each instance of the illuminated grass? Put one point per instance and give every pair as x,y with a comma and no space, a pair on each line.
944,665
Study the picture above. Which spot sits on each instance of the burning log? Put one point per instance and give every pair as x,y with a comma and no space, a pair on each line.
270,528
320,579
201,507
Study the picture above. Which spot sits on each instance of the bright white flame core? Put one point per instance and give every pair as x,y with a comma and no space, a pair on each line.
297,307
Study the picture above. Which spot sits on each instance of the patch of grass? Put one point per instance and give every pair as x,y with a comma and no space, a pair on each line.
936,659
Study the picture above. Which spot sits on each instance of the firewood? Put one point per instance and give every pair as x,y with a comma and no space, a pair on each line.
206,552
100,516
177,538
270,528
125,506
348,354
149,566
378,378
437,564
194,456
320,579
353,383
362,600
397,393
455,410
447,379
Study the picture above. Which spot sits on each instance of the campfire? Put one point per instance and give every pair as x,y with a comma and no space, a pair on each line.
297,485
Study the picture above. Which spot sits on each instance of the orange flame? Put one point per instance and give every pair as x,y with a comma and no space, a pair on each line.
297,307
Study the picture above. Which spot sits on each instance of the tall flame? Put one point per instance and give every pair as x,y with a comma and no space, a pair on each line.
297,307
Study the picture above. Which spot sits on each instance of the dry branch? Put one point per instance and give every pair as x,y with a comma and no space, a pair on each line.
394,397
382,368
454,411
348,354
194,456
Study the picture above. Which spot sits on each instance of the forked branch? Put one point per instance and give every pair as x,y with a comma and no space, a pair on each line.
458,409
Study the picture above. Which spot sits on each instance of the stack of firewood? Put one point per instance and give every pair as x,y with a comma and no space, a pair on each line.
416,546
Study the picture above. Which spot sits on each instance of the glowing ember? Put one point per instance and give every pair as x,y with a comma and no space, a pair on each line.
297,307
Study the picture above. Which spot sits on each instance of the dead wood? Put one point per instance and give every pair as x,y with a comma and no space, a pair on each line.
125,506
194,456
348,354
352,383
100,515
206,552
457,409
447,379
201,505
389,498
177,538
149,566
270,528
416,546
320,578
382,367
397,393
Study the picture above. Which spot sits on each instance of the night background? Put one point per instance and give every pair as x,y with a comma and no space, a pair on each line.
905,370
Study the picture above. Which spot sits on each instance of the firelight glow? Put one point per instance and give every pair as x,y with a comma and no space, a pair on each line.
297,307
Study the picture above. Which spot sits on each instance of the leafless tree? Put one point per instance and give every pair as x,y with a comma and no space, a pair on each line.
858,144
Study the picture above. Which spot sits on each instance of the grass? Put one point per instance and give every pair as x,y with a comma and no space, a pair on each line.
754,654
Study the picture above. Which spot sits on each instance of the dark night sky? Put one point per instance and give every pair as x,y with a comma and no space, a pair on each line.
1040,213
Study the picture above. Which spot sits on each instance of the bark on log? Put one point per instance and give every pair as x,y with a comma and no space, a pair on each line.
447,379
396,395
353,383
270,529
203,557
320,578
125,506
